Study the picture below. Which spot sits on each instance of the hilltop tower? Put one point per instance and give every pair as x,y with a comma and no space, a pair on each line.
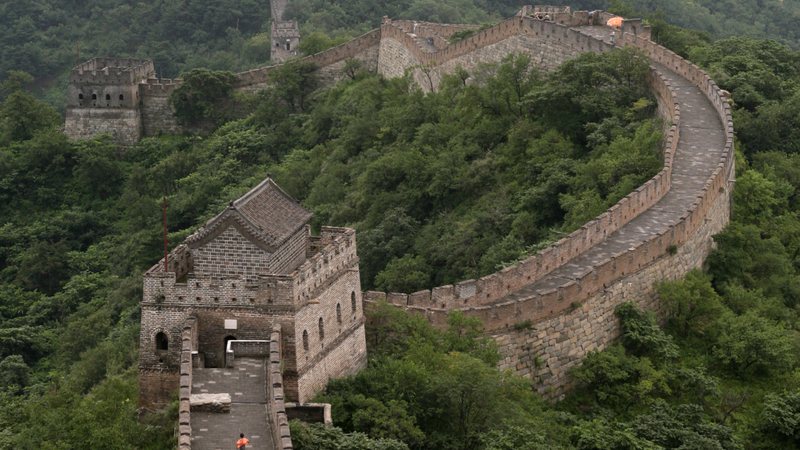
103,97
284,35
250,268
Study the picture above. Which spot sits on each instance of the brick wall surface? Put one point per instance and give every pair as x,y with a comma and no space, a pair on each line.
158,116
231,255
123,125
548,350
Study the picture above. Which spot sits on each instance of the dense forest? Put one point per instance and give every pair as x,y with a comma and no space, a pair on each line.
46,38
419,176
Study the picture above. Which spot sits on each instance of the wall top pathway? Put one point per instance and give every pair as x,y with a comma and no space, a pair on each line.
246,383
589,260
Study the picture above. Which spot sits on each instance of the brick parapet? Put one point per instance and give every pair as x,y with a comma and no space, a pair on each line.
188,344
350,49
275,393
159,87
112,71
337,254
270,292
484,292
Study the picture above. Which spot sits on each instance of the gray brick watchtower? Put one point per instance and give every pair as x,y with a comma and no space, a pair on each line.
103,97
253,266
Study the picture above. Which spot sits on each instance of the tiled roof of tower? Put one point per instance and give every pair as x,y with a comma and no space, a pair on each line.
267,212
273,210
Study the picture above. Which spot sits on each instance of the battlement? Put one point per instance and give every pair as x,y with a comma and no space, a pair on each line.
112,71
285,37
547,311
337,253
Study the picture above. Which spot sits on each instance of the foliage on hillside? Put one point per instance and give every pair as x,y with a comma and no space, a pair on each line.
469,178
46,38
82,219
722,373
81,222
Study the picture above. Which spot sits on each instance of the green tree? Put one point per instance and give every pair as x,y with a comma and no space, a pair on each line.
320,437
693,305
749,345
781,417
204,97
21,114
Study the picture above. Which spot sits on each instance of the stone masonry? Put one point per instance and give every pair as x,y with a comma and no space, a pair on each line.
284,34
550,310
252,268
546,313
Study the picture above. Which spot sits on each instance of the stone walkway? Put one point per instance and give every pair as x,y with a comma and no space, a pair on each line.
701,144
246,383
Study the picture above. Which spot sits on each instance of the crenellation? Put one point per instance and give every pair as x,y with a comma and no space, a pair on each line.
238,284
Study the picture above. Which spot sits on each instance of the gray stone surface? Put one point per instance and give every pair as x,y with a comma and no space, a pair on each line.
246,382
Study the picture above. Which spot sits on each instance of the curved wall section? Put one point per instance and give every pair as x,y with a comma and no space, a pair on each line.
550,310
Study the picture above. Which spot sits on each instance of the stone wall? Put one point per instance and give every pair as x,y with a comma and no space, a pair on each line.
158,116
547,350
157,387
346,357
335,304
279,420
570,320
231,255
123,125
362,49
188,344
336,255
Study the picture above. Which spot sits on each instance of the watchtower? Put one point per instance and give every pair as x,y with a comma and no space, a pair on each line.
285,40
103,97
285,34
253,266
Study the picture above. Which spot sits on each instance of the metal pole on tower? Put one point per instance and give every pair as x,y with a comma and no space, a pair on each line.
164,214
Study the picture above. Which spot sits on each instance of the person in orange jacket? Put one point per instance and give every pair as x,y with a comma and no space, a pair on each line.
242,442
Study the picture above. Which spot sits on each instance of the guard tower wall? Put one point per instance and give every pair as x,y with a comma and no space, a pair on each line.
103,97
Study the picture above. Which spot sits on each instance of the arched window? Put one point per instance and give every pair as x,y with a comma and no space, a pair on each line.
162,342
108,96
121,97
305,340
339,313
353,301
80,96
288,45
321,330
94,96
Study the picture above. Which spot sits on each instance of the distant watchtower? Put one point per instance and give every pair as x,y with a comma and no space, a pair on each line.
103,97
285,41
285,34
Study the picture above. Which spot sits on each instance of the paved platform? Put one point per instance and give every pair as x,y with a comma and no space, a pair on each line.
246,382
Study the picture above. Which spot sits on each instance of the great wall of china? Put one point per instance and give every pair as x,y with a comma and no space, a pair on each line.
549,310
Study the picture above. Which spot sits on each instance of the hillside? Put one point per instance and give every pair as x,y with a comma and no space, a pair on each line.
49,37
440,187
